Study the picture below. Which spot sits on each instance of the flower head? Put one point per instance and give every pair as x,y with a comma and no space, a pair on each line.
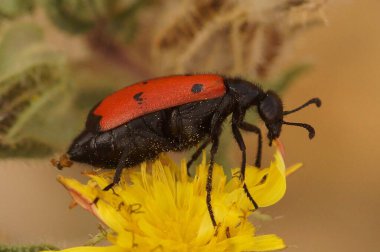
163,209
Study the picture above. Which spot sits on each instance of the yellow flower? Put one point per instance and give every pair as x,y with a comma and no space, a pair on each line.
161,209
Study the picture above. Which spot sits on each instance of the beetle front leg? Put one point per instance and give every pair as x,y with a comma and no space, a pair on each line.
253,128
240,141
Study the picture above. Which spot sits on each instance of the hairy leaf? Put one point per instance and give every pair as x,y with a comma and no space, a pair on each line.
287,78
31,76
30,248
13,8
74,16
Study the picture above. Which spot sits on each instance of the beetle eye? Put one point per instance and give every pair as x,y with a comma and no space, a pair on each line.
268,111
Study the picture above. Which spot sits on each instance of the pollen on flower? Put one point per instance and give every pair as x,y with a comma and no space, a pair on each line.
160,207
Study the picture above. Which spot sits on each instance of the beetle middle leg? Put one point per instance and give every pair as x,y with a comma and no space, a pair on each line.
214,149
216,129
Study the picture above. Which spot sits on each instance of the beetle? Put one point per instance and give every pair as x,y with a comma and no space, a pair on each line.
175,113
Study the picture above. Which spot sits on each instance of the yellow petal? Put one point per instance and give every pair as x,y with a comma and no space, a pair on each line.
268,243
293,169
274,186
163,209
110,216
84,195
87,192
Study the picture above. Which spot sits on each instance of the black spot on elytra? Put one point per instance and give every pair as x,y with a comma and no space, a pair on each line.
138,98
197,88
145,82
188,74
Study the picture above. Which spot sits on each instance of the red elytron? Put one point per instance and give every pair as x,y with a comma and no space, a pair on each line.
153,95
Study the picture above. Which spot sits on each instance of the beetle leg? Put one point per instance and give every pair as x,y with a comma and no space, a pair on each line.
119,170
214,149
158,140
239,139
196,154
216,129
253,128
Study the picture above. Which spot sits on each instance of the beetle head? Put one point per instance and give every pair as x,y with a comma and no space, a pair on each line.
271,112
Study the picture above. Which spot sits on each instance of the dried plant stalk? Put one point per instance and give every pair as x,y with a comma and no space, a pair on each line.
229,36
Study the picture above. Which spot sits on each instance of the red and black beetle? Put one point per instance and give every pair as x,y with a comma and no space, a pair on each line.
175,113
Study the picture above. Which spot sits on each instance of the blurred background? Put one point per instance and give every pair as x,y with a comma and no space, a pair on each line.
58,58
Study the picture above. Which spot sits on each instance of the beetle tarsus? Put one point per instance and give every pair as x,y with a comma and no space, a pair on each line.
107,188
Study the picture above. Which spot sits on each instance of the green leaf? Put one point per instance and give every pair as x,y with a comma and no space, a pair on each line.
123,23
99,237
13,8
31,76
74,16
117,18
287,78
30,248
25,148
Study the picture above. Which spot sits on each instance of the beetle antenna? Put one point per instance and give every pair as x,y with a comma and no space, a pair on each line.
315,101
303,125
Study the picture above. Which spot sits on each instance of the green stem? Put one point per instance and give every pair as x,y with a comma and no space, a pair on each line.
25,248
